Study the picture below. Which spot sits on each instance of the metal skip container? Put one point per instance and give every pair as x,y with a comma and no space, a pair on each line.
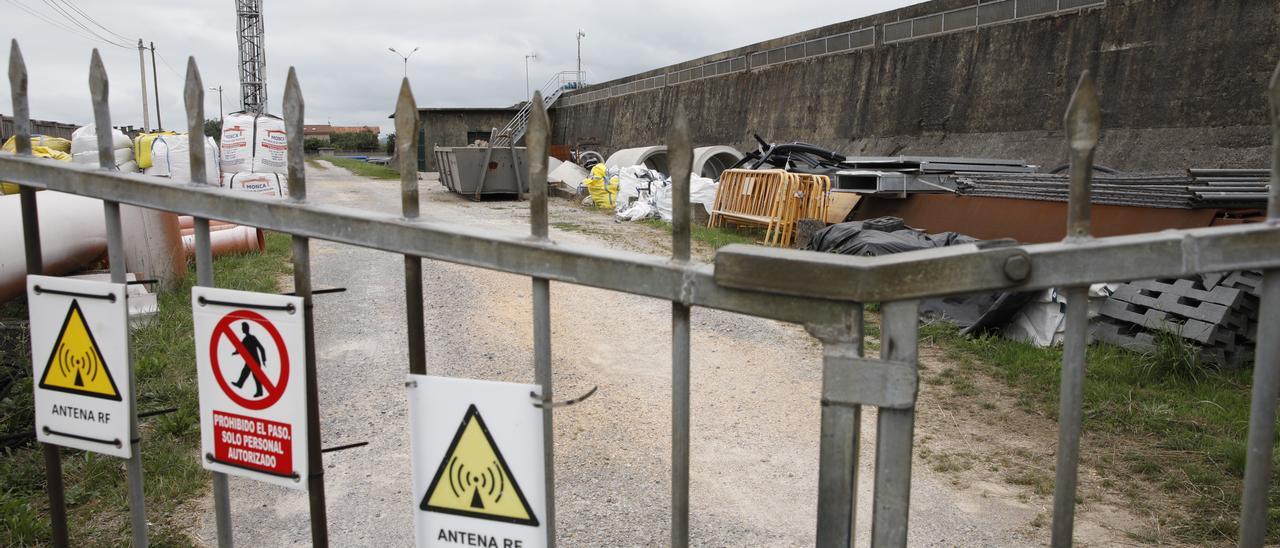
483,171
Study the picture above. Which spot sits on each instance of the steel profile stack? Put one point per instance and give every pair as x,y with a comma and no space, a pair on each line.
1218,312
1199,188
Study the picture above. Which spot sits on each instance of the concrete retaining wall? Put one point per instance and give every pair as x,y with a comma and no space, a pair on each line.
1182,84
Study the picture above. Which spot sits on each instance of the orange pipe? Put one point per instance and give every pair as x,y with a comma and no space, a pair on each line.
212,228
187,221
240,239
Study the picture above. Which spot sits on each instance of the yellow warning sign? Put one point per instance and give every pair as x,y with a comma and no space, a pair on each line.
76,365
474,481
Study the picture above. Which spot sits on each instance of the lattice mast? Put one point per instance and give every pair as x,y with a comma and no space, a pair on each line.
253,56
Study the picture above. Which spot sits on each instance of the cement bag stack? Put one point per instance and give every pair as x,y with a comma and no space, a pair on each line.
42,146
84,148
255,154
171,157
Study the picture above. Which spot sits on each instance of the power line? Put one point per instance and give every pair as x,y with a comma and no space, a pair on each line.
165,62
78,23
51,21
92,20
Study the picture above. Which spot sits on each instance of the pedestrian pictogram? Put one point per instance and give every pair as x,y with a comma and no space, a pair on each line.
76,364
269,372
252,393
474,480
80,364
479,473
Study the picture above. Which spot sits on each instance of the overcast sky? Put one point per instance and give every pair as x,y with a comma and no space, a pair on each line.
472,53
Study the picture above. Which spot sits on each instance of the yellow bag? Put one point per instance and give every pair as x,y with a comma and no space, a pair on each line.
142,147
602,194
38,152
55,144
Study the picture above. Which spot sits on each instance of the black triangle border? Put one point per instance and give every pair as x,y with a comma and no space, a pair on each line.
75,307
473,412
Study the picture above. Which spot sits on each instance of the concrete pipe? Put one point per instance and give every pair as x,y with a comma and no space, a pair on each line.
654,157
240,239
72,235
711,161
153,245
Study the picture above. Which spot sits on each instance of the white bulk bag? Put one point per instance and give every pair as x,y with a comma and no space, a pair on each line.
85,139
266,184
270,147
170,157
237,142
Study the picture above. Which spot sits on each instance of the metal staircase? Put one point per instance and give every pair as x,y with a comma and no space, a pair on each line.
556,85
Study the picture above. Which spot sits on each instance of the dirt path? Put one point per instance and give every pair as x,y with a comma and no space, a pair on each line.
755,409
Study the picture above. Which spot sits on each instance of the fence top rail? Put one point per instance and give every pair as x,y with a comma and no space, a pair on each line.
628,272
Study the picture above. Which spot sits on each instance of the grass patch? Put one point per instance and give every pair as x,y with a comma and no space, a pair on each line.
96,490
715,238
1174,423
362,168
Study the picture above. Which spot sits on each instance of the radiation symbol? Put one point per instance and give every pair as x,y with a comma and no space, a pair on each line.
76,365
474,481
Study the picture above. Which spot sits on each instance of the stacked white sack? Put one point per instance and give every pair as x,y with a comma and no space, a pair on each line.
270,147
84,148
237,142
170,157
266,184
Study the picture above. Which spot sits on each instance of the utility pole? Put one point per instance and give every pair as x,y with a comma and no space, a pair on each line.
142,68
219,90
581,35
155,80
526,74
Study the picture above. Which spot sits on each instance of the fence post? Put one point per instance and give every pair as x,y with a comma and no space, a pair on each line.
1082,125
536,143
680,160
35,265
98,90
293,117
895,429
406,137
841,428
1266,367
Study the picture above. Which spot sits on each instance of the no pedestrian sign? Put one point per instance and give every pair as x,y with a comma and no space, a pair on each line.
80,352
478,471
253,404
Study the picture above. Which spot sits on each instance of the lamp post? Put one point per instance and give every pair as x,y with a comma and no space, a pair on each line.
526,74
581,35
219,90
406,59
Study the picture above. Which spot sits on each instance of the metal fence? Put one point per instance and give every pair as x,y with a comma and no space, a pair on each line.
750,280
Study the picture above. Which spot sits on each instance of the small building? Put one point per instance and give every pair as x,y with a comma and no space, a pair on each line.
457,127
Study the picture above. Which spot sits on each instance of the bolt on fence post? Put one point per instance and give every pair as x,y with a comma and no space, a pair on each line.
841,429
895,428
1082,125
1266,366
35,265
536,146
98,90
193,98
680,160
293,117
406,146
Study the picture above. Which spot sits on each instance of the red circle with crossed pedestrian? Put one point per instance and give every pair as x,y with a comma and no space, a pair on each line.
223,330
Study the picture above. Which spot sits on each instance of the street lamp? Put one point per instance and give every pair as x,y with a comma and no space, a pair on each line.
581,35
526,73
219,90
406,59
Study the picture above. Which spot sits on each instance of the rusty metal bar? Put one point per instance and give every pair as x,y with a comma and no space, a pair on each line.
1266,367
680,160
98,91
1082,126
35,265
536,141
193,98
899,346
293,117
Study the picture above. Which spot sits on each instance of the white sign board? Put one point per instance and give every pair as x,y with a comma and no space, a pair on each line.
478,476
250,359
80,358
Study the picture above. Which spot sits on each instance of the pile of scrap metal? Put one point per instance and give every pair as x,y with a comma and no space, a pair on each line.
1216,314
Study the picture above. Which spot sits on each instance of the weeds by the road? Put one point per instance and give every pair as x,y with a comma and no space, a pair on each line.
96,492
1157,420
362,168
715,238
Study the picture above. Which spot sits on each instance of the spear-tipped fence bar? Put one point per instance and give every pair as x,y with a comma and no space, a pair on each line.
750,280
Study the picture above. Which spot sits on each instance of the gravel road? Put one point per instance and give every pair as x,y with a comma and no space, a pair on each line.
754,419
